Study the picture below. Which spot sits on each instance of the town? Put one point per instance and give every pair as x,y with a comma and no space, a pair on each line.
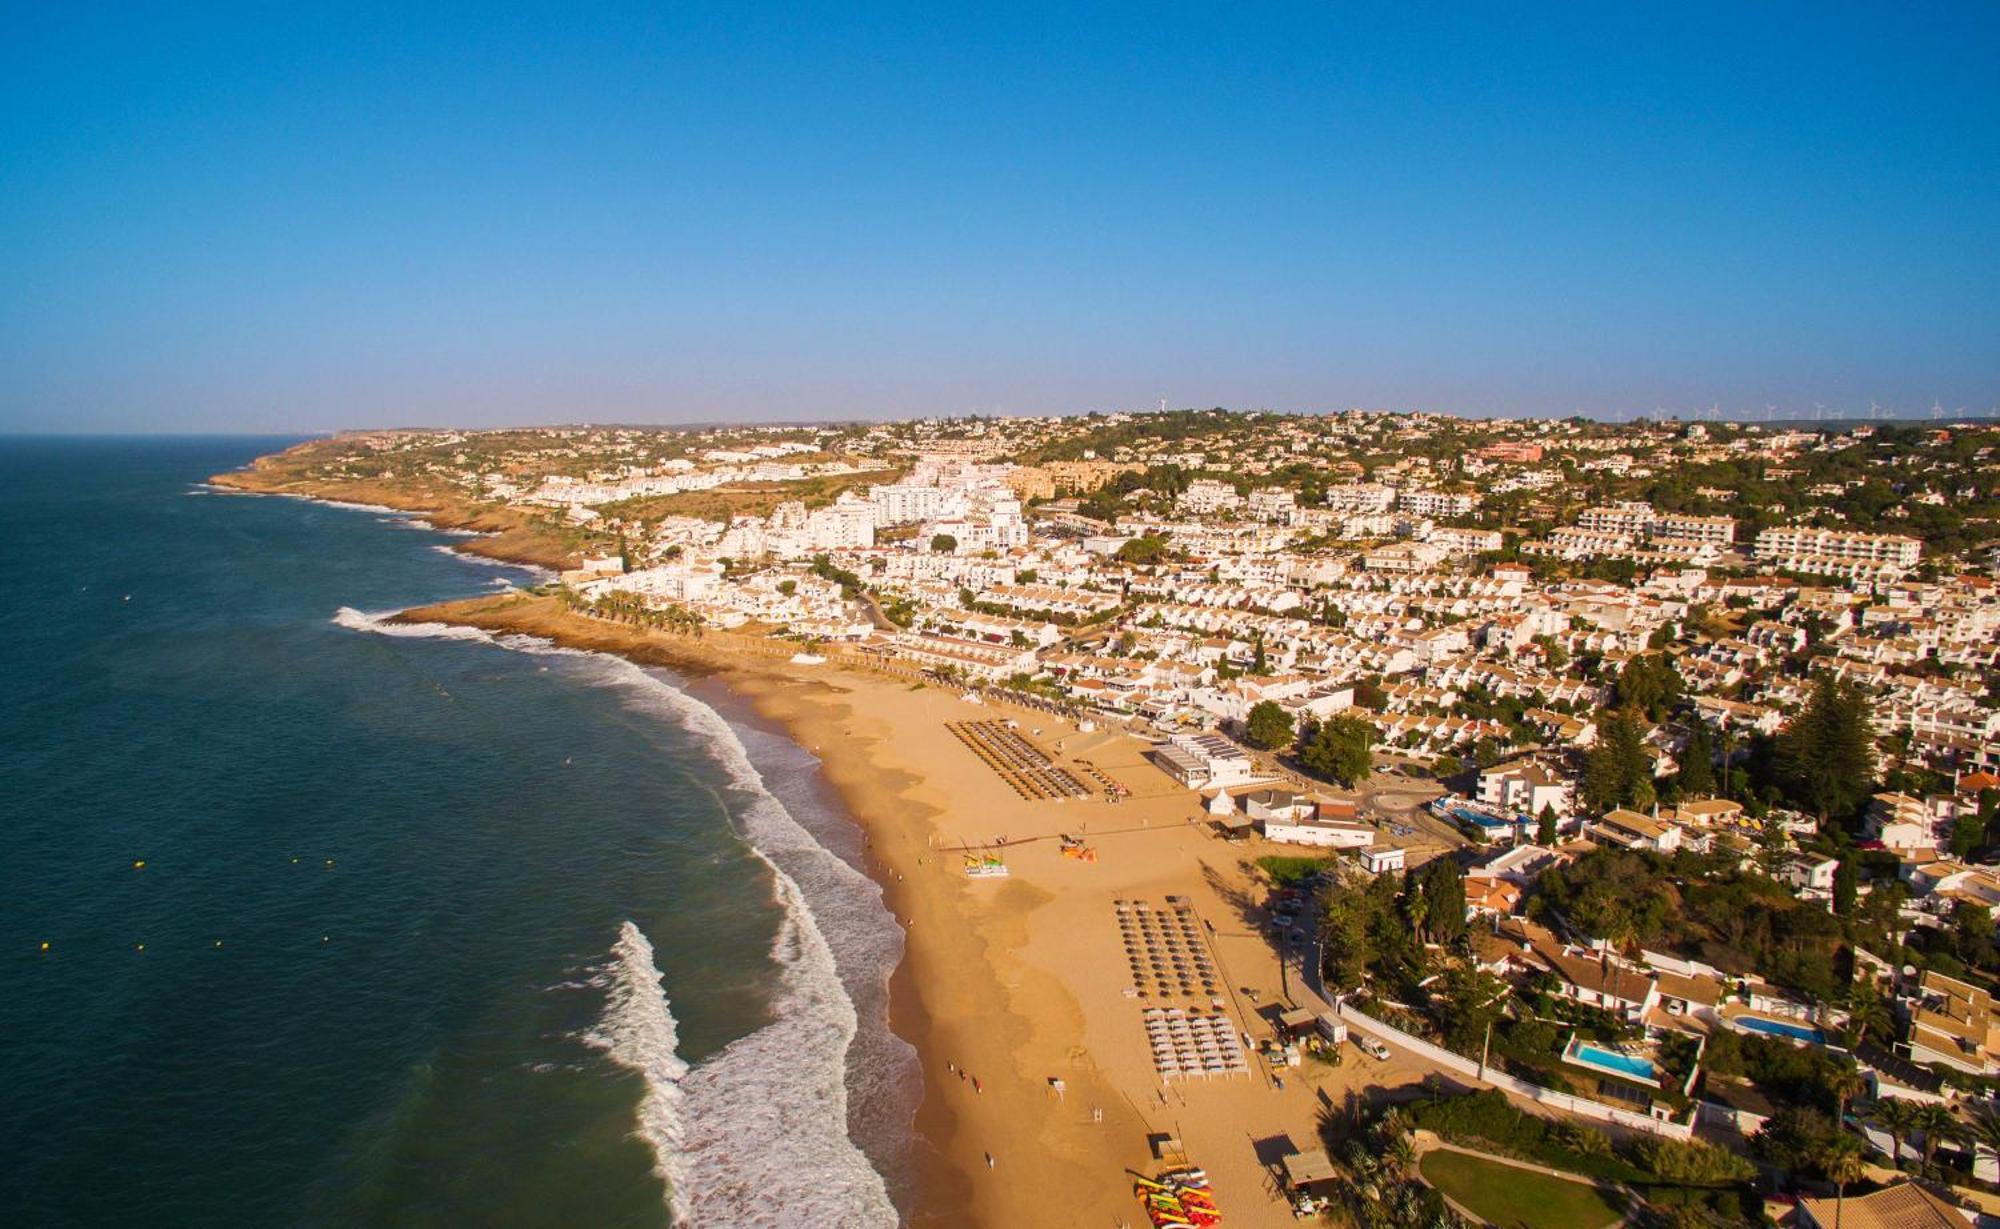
1645,772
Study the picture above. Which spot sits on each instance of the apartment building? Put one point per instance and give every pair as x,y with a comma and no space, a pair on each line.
1205,495
1435,503
1836,552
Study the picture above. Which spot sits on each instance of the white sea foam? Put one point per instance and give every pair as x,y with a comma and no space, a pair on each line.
485,561
361,621
344,503
758,1132
638,1031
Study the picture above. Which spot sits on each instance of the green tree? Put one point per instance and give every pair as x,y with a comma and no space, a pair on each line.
1846,887
1269,726
1545,828
1982,1131
1434,900
1938,1125
1339,749
1839,1158
1867,1013
1649,684
1697,775
1615,763
1968,833
1143,550
1898,1120
1826,756
943,543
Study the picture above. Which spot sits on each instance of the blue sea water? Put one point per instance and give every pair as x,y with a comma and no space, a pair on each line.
430,929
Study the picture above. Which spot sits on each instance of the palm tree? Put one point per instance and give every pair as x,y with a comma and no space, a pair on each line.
1845,1086
1401,1153
1899,1118
1938,1125
1867,1012
1982,1130
1840,1160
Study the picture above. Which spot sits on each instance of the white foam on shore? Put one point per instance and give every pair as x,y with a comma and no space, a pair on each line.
759,1131
348,503
533,569
361,621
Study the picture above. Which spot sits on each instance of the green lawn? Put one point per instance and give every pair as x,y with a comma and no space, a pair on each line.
1515,1198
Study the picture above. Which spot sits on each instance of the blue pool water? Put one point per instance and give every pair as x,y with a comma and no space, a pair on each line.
1611,1060
1778,1028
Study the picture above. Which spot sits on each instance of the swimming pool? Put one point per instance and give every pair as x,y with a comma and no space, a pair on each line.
1778,1028
1583,1054
1620,1062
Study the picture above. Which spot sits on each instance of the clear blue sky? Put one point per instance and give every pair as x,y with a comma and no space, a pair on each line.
285,217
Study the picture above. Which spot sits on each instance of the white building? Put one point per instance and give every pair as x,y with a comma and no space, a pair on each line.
1383,860
905,503
1205,495
1200,761
1525,788
1435,503
1835,552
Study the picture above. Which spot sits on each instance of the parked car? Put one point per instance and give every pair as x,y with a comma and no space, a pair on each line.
1373,1048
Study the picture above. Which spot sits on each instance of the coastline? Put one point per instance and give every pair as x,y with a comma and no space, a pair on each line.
500,534
946,996
1020,982
1018,985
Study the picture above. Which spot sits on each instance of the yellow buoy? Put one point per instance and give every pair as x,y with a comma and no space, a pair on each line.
218,943
139,947
295,861
329,861
45,945
139,864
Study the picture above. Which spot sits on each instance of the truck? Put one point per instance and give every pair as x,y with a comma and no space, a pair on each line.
1332,1028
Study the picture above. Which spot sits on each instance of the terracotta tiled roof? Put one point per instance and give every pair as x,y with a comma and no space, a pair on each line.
1903,1206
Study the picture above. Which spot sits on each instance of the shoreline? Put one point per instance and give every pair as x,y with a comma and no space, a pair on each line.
502,535
819,720
1020,982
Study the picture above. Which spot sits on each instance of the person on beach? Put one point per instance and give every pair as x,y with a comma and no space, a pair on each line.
975,1086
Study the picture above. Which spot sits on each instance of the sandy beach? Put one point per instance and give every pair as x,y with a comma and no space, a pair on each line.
1021,983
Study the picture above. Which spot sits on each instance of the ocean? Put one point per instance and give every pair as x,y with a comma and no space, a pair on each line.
307,919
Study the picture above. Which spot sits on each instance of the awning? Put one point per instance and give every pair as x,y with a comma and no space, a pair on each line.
1306,1168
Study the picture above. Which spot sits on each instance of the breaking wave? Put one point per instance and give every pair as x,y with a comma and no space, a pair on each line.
761,1129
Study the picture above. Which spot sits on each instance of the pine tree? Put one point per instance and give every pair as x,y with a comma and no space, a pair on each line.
1615,766
1826,757
1697,775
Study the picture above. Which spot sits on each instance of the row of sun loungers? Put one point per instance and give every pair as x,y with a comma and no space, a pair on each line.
1165,952
1193,1045
1017,761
